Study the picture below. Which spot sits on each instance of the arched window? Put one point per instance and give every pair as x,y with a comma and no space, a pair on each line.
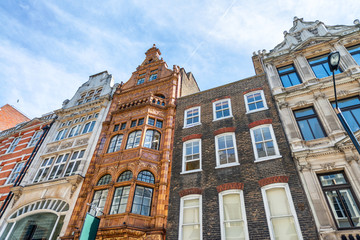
125,176
115,143
104,180
133,139
152,139
146,176
88,127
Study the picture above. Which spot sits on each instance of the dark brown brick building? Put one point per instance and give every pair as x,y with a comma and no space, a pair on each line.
232,172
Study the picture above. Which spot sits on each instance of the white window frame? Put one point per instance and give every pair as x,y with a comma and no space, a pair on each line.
277,153
185,117
13,145
74,131
75,160
15,172
90,128
190,197
61,134
243,212
214,109
236,163
184,157
262,98
285,186
35,138
44,166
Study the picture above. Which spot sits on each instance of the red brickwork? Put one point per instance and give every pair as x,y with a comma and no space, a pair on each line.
217,99
259,122
224,130
228,186
9,117
271,180
192,136
252,90
190,191
191,106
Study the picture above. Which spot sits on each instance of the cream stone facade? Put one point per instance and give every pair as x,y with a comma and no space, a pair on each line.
302,87
42,205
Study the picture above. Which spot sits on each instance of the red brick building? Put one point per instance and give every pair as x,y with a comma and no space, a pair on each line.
9,117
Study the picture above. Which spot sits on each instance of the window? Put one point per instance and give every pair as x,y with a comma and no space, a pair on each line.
226,154
146,176
15,172
82,119
192,156
151,121
152,139
123,126
159,123
153,77
309,124
125,176
280,212
13,145
264,142
61,134
190,217
288,75
74,163
133,123
115,143
320,66
104,180
143,195
133,140
74,131
35,138
140,81
43,170
340,198
192,117
255,101
98,202
59,166
232,215
355,53
88,127
222,109
140,122
116,127
68,123
120,199
350,108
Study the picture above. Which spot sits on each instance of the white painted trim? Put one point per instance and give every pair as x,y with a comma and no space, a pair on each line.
189,197
184,154
214,109
262,98
277,153
218,165
185,117
243,212
285,186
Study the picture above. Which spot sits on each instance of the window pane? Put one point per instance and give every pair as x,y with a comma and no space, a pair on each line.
192,165
278,202
284,228
338,209
305,130
304,112
232,207
316,128
191,232
351,206
221,142
234,230
332,179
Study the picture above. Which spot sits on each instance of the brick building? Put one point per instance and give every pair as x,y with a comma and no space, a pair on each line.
127,184
232,172
301,84
43,203
10,117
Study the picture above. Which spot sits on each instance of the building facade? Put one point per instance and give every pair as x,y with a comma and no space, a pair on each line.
232,172
10,117
127,184
301,84
43,203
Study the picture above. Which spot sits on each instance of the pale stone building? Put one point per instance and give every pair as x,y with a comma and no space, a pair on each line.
302,87
42,205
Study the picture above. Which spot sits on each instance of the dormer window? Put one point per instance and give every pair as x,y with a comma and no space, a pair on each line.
140,81
153,77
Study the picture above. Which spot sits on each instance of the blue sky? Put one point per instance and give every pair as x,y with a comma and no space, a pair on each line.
49,48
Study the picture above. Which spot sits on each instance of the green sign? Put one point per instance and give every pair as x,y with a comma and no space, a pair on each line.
90,227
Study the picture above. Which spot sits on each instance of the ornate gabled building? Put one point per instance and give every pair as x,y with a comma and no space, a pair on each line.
43,203
127,184
301,84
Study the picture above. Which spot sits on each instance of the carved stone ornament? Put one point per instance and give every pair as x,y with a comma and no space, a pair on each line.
342,93
306,166
66,145
301,103
52,149
319,95
283,104
328,166
81,141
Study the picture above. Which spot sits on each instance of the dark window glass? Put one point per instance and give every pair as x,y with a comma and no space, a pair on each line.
350,108
140,81
288,75
104,180
98,202
120,199
320,66
142,200
159,123
116,127
151,121
123,126
125,176
152,139
141,121
115,143
133,123
309,124
340,198
133,139
355,53
146,176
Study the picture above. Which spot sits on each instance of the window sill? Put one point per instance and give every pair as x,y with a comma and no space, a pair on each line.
222,118
192,125
227,165
267,158
193,171
257,110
